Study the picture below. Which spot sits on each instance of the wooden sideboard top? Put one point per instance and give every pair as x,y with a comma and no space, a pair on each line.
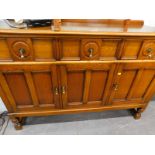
70,28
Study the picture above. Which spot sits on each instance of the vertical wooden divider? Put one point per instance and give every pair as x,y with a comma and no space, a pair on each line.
63,75
109,84
32,89
134,85
55,83
86,86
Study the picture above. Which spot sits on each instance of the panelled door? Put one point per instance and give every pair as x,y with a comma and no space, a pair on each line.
85,85
133,83
30,86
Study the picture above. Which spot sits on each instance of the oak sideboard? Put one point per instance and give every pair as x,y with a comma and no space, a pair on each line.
76,66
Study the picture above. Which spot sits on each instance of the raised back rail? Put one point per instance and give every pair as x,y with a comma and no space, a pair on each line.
124,23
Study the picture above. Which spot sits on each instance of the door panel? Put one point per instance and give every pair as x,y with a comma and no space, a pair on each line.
86,85
132,83
19,88
125,83
73,77
44,87
144,82
30,86
96,90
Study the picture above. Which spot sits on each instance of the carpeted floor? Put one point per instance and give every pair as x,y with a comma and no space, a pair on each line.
101,123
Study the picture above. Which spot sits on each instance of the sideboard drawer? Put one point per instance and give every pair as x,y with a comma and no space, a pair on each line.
27,49
138,49
89,49
21,49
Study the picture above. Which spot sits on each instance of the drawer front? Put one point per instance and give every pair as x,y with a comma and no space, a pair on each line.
21,49
88,49
28,49
138,49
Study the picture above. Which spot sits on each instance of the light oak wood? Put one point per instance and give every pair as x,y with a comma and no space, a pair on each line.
62,72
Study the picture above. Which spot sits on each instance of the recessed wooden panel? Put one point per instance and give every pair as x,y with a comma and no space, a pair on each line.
44,88
131,49
108,49
97,85
75,83
143,83
125,84
4,50
70,49
43,48
19,88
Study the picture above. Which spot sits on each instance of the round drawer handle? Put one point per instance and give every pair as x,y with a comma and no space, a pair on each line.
90,50
22,52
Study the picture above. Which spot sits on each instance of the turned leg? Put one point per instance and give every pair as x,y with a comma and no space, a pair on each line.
137,112
17,121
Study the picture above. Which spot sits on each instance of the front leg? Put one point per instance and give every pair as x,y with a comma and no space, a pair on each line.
17,121
137,112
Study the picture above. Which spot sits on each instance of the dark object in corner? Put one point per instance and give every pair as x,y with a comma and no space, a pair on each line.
38,22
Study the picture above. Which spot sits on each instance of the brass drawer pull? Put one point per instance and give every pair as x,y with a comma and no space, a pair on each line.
115,87
22,52
63,90
90,50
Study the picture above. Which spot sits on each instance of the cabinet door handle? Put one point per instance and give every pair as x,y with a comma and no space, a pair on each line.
115,87
21,52
90,50
56,91
63,89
